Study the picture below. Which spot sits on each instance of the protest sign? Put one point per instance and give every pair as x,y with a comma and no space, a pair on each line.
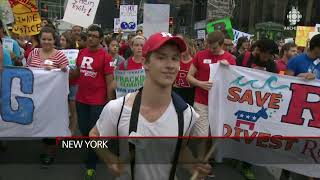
302,35
155,18
27,17
201,34
128,18
223,25
116,25
31,99
238,34
263,108
81,13
129,81
5,12
72,55
8,44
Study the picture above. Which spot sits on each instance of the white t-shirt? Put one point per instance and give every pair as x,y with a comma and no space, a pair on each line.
166,125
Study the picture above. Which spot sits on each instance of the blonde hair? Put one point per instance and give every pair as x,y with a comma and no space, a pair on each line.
137,37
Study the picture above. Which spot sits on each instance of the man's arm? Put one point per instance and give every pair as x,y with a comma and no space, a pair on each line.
107,156
110,87
206,85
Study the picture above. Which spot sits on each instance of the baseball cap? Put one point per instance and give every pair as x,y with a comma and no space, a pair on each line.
157,40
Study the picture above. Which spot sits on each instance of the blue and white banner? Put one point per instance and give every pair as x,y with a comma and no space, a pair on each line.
264,109
34,103
237,34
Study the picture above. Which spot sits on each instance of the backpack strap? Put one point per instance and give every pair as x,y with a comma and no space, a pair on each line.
180,106
246,58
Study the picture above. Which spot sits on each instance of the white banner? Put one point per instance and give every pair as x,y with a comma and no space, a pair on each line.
34,103
116,25
129,81
238,34
128,18
155,18
254,104
81,13
72,55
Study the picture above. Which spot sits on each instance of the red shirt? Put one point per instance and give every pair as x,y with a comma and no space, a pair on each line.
93,65
201,61
281,65
131,65
181,80
58,59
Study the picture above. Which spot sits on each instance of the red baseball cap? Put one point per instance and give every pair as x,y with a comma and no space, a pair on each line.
157,40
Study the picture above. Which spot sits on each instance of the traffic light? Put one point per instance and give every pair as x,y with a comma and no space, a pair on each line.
170,21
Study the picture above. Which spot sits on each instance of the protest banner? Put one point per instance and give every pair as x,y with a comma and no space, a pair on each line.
27,17
155,18
6,14
264,108
81,13
34,103
8,44
129,81
302,35
201,34
116,25
72,55
238,34
128,18
223,25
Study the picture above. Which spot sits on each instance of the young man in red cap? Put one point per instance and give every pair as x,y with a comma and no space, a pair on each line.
153,111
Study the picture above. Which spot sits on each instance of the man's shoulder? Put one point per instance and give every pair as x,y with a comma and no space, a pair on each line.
300,57
202,53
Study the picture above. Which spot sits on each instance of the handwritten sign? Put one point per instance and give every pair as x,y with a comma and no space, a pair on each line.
6,12
8,44
129,81
128,17
201,34
72,55
116,25
81,12
27,18
302,35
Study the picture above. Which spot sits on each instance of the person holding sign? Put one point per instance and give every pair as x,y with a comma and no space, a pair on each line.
68,44
135,61
49,58
198,76
153,111
95,71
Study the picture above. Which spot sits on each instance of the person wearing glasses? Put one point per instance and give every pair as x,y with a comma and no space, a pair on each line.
95,72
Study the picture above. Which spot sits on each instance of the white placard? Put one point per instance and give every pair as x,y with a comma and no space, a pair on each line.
81,13
128,18
5,9
155,18
116,25
72,55
201,34
8,44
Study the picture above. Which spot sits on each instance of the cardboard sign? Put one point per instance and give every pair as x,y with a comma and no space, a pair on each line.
302,35
8,44
72,55
223,25
81,13
27,17
201,34
128,18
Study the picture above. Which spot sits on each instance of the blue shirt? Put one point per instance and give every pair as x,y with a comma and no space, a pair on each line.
304,64
6,57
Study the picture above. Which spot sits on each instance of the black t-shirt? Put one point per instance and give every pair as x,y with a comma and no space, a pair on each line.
270,65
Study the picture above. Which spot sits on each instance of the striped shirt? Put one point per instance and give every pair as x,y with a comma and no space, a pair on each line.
59,59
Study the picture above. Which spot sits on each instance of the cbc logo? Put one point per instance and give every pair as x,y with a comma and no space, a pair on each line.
294,16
